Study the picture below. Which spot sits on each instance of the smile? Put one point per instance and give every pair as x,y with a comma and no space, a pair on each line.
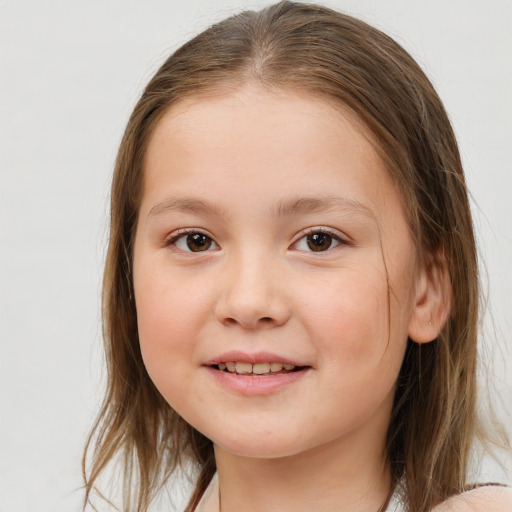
244,368
259,373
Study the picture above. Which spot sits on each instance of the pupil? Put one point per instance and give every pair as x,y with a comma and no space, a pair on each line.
319,241
198,242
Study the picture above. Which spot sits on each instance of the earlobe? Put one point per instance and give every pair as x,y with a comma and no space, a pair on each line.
432,301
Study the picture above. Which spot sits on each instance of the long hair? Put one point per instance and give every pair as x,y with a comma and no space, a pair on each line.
304,47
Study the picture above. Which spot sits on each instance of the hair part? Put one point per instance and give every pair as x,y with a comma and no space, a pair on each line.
308,48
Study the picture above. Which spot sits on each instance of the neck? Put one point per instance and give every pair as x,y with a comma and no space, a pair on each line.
340,476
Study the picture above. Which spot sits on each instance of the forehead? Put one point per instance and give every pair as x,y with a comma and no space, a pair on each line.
258,146
255,107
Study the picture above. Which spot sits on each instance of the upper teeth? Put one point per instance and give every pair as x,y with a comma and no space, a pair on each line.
257,368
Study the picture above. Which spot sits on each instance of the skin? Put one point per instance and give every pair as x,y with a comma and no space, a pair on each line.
345,312
483,499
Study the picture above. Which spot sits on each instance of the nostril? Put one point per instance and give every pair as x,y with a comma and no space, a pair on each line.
262,320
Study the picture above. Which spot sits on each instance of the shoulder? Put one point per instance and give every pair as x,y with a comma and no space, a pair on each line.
488,498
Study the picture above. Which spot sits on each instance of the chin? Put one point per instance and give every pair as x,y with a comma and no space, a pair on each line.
259,452
258,446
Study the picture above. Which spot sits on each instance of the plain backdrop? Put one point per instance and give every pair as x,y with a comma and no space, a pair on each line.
70,73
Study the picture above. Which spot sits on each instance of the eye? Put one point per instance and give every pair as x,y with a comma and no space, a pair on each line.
193,242
318,241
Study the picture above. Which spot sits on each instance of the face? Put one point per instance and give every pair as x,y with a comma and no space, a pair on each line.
274,273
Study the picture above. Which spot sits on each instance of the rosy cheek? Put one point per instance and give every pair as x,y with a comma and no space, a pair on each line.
155,319
171,311
164,348
352,319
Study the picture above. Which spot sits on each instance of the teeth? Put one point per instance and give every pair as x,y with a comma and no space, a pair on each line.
256,369
276,367
243,367
260,368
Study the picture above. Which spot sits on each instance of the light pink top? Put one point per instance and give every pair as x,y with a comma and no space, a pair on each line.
210,500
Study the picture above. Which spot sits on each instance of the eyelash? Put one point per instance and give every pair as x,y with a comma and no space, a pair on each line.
335,237
182,233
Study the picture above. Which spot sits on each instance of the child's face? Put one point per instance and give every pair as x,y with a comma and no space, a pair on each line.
269,229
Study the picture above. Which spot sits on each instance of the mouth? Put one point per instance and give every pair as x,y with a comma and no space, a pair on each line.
256,374
269,369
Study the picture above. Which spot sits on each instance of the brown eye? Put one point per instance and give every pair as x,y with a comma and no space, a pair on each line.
193,242
198,242
319,241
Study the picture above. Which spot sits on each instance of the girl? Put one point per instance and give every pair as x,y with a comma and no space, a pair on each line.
291,292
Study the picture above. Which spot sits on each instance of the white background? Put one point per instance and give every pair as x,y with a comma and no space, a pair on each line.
70,72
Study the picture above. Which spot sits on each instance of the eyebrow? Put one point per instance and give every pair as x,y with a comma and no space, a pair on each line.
284,208
185,204
306,205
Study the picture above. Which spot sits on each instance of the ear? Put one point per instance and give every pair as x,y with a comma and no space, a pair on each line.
432,301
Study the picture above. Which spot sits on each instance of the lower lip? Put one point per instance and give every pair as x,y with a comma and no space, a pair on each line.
257,384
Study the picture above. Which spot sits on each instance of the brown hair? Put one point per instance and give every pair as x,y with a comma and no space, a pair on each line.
310,48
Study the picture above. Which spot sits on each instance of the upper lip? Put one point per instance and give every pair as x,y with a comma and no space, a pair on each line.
256,357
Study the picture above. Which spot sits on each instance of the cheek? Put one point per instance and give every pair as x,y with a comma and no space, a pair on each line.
359,336
351,313
170,306
169,320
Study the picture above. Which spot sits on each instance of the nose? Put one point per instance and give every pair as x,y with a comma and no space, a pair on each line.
252,295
